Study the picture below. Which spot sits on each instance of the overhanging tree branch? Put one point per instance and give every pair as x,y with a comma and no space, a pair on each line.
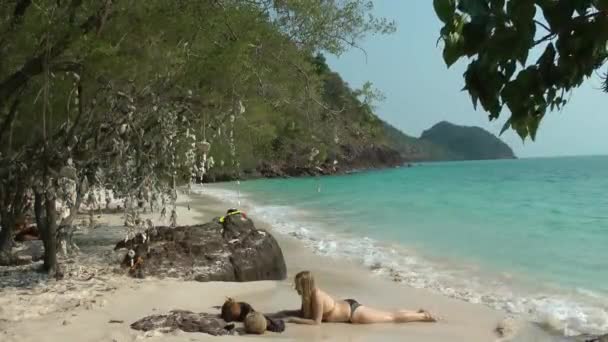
542,25
35,65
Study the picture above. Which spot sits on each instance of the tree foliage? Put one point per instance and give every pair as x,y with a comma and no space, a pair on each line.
141,96
498,36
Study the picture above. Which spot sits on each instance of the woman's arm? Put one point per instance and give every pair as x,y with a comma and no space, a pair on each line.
317,310
284,314
299,320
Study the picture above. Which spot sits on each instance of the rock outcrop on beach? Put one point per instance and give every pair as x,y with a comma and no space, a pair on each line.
230,251
350,158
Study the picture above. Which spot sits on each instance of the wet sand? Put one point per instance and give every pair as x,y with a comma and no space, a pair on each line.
109,296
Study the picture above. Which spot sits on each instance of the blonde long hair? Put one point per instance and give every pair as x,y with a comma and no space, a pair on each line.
305,285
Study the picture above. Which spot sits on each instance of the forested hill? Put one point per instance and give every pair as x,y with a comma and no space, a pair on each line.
466,143
345,136
341,135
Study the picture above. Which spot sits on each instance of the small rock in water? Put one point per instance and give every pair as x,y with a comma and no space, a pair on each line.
376,266
508,327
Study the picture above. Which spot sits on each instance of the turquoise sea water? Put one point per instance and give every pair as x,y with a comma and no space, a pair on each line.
528,236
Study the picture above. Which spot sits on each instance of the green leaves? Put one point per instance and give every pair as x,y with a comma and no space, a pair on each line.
445,9
452,35
451,32
582,7
454,48
474,8
604,77
157,74
557,13
521,12
484,85
498,35
509,69
497,6
506,126
546,65
474,34
601,4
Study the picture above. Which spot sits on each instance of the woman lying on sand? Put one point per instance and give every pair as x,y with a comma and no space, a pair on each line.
318,306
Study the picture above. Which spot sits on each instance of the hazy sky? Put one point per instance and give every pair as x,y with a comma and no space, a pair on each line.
420,91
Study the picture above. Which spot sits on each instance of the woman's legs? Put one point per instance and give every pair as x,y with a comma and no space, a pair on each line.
404,316
367,315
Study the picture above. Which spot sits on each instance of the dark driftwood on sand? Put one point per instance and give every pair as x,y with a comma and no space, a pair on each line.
187,321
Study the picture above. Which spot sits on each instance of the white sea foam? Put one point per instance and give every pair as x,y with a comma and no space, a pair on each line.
582,311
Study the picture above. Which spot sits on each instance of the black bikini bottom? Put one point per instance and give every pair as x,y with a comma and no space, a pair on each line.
353,306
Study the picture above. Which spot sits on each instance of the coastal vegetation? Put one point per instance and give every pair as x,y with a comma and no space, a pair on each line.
524,57
139,97
132,99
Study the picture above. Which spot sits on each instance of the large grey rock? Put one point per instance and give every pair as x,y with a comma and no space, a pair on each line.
232,251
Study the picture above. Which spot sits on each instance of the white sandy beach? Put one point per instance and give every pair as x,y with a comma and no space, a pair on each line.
83,310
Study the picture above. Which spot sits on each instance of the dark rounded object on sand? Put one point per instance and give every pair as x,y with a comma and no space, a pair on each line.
231,310
255,323
235,311
27,233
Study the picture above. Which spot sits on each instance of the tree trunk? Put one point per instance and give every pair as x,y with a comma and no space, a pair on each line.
10,211
50,245
44,209
66,226
7,227
6,237
38,212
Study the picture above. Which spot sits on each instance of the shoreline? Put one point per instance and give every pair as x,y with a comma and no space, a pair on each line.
348,278
132,299
298,212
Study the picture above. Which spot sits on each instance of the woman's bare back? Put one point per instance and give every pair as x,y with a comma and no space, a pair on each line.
333,310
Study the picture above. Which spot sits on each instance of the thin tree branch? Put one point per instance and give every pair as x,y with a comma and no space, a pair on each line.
542,25
104,16
12,114
35,65
545,38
